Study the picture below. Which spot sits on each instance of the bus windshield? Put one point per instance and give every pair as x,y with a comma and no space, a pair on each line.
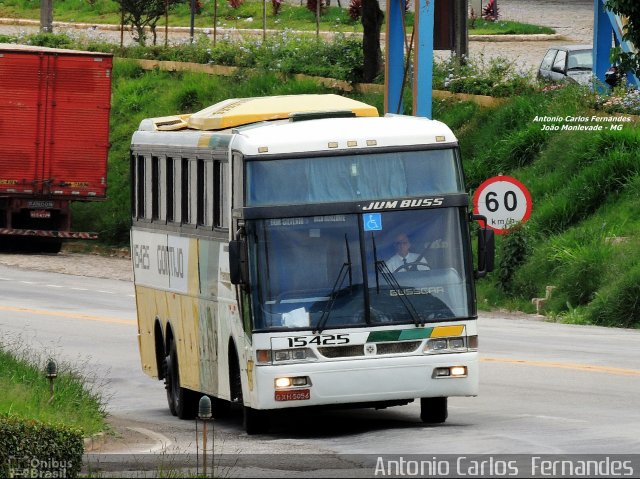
335,271
367,176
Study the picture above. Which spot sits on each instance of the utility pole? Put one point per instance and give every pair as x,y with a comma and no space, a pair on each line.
193,15
46,16
461,32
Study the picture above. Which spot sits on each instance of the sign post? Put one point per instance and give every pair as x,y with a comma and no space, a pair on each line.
504,201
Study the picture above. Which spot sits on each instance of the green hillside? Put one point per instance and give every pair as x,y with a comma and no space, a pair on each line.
582,237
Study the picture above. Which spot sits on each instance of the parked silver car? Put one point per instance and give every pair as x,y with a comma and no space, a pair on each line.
568,62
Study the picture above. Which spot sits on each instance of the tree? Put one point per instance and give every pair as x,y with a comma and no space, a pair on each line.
631,10
372,18
144,13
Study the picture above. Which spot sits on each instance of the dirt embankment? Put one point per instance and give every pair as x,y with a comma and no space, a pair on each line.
112,265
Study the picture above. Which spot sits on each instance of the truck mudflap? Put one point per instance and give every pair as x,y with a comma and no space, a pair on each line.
49,233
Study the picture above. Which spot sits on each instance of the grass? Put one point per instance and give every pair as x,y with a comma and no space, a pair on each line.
248,15
583,230
26,394
506,27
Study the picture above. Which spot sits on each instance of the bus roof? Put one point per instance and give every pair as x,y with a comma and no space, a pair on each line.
243,111
341,134
311,135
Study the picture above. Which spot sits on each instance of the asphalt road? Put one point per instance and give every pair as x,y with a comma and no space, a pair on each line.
546,388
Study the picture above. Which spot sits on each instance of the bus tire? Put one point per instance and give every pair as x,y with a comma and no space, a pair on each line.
168,385
182,402
256,421
433,410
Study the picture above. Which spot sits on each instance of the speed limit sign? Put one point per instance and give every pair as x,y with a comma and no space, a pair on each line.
504,201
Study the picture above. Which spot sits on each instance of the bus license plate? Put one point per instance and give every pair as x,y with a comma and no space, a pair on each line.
296,395
40,214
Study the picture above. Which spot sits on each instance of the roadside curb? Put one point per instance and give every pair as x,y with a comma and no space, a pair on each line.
258,32
94,442
518,38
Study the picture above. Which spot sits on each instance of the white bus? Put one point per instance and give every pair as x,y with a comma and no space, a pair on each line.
265,242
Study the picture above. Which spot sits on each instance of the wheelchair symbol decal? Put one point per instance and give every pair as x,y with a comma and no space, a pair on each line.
373,222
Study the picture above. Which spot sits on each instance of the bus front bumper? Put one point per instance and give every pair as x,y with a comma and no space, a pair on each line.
365,380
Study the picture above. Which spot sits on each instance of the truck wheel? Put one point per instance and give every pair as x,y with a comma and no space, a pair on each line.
51,246
433,410
256,421
182,402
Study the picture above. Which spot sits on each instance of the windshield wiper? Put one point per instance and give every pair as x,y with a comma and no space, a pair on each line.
375,260
342,274
382,268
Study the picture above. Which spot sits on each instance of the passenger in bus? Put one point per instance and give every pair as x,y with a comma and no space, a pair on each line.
404,260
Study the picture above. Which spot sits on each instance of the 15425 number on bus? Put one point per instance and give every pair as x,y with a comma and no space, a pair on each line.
320,340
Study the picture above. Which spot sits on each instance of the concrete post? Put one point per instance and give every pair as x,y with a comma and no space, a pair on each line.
46,16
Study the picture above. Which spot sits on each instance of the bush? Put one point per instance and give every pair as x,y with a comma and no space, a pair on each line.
497,77
618,303
612,163
34,449
515,249
580,257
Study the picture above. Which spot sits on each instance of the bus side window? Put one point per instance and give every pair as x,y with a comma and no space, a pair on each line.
134,178
221,194
140,180
201,200
184,191
193,196
170,189
226,196
155,186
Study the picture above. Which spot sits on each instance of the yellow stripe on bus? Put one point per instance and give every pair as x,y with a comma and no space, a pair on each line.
446,331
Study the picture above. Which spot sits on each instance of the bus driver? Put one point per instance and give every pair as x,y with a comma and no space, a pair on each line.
404,260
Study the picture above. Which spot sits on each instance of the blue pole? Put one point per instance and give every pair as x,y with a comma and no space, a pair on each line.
601,40
423,58
605,26
394,64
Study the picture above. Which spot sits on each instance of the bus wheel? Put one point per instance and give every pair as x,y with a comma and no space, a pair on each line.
255,421
433,410
168,384
182,402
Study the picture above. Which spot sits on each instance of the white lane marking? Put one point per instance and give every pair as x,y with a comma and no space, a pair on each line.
63,287
162,441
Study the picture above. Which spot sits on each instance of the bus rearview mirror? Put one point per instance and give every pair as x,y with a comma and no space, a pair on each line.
486,252
238,262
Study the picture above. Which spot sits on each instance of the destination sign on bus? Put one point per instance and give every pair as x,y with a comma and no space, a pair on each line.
160,260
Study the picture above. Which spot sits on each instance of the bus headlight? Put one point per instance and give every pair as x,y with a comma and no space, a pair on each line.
458,344
299,381
450,372
267,356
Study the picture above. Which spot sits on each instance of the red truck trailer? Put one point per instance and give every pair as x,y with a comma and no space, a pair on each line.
54,140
